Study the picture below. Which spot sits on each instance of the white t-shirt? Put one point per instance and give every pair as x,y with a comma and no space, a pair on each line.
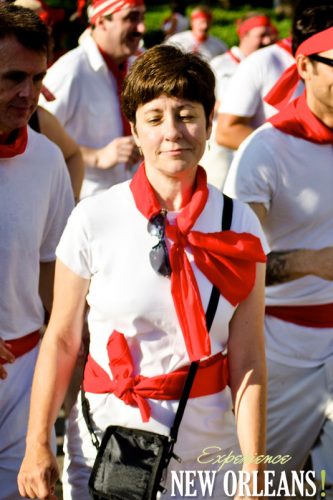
252,80
217,159
106,240
224,66
88,106
293,178
35,201
208,49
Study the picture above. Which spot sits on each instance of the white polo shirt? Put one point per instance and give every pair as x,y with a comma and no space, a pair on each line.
88,106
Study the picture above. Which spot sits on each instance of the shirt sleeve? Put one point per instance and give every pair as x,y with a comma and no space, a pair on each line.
248,222
60,206
63,83
74,248
253,174
243,95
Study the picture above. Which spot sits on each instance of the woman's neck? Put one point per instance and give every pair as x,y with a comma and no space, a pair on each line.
173,193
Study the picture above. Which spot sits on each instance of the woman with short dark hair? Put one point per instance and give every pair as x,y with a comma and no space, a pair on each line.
149,255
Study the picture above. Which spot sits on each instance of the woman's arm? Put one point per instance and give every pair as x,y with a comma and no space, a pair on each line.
246,353
54,367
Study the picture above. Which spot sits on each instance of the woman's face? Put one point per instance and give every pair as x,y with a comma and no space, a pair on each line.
172,134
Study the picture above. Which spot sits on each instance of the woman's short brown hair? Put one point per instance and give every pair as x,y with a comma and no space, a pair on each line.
167,70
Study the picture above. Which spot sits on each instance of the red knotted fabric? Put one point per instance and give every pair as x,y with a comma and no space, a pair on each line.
298,120
17,146
119,72
226,258
284,88
211,377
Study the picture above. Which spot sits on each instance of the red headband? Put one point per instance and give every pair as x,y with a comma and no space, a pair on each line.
284,88
253,22
105,7
201,15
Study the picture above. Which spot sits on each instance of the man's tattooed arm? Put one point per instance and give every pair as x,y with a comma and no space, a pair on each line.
286,266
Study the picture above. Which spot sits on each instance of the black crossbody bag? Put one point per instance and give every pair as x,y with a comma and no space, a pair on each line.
130,463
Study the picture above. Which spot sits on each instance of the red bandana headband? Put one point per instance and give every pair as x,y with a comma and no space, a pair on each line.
227,259
105,7
201,15
284,88
253,22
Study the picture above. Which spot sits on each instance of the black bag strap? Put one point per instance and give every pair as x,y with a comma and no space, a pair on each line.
215,295
210,314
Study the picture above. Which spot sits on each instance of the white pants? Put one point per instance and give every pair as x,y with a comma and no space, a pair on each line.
14,411
300,417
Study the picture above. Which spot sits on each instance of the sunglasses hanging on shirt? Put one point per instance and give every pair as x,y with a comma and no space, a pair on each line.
158,255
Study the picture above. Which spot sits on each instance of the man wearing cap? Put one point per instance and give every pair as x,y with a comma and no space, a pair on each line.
197,39
254,31
87,82
284,171
35,202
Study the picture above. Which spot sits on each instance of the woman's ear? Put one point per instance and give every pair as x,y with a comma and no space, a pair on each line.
134,134
209,125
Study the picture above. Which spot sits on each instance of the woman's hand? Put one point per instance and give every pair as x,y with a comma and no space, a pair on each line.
7,355
39,473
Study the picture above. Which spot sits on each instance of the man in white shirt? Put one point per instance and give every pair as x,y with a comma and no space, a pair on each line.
284,171
35,201
197,39
243,108
254,31
87,82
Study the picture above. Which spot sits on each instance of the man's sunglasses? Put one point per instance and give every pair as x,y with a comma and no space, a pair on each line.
158,255
324,60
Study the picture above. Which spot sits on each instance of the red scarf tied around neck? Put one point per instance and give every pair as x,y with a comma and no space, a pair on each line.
282,91
17,147
227,259
298,120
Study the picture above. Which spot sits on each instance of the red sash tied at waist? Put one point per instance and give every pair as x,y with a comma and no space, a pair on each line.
315,316
211,377
22,345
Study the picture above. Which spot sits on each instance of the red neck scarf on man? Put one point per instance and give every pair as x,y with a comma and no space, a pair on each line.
286,44
284,88
298,120
17,146
226,258
119,73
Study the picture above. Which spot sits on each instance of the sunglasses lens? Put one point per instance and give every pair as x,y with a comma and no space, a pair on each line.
159,259
156,226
